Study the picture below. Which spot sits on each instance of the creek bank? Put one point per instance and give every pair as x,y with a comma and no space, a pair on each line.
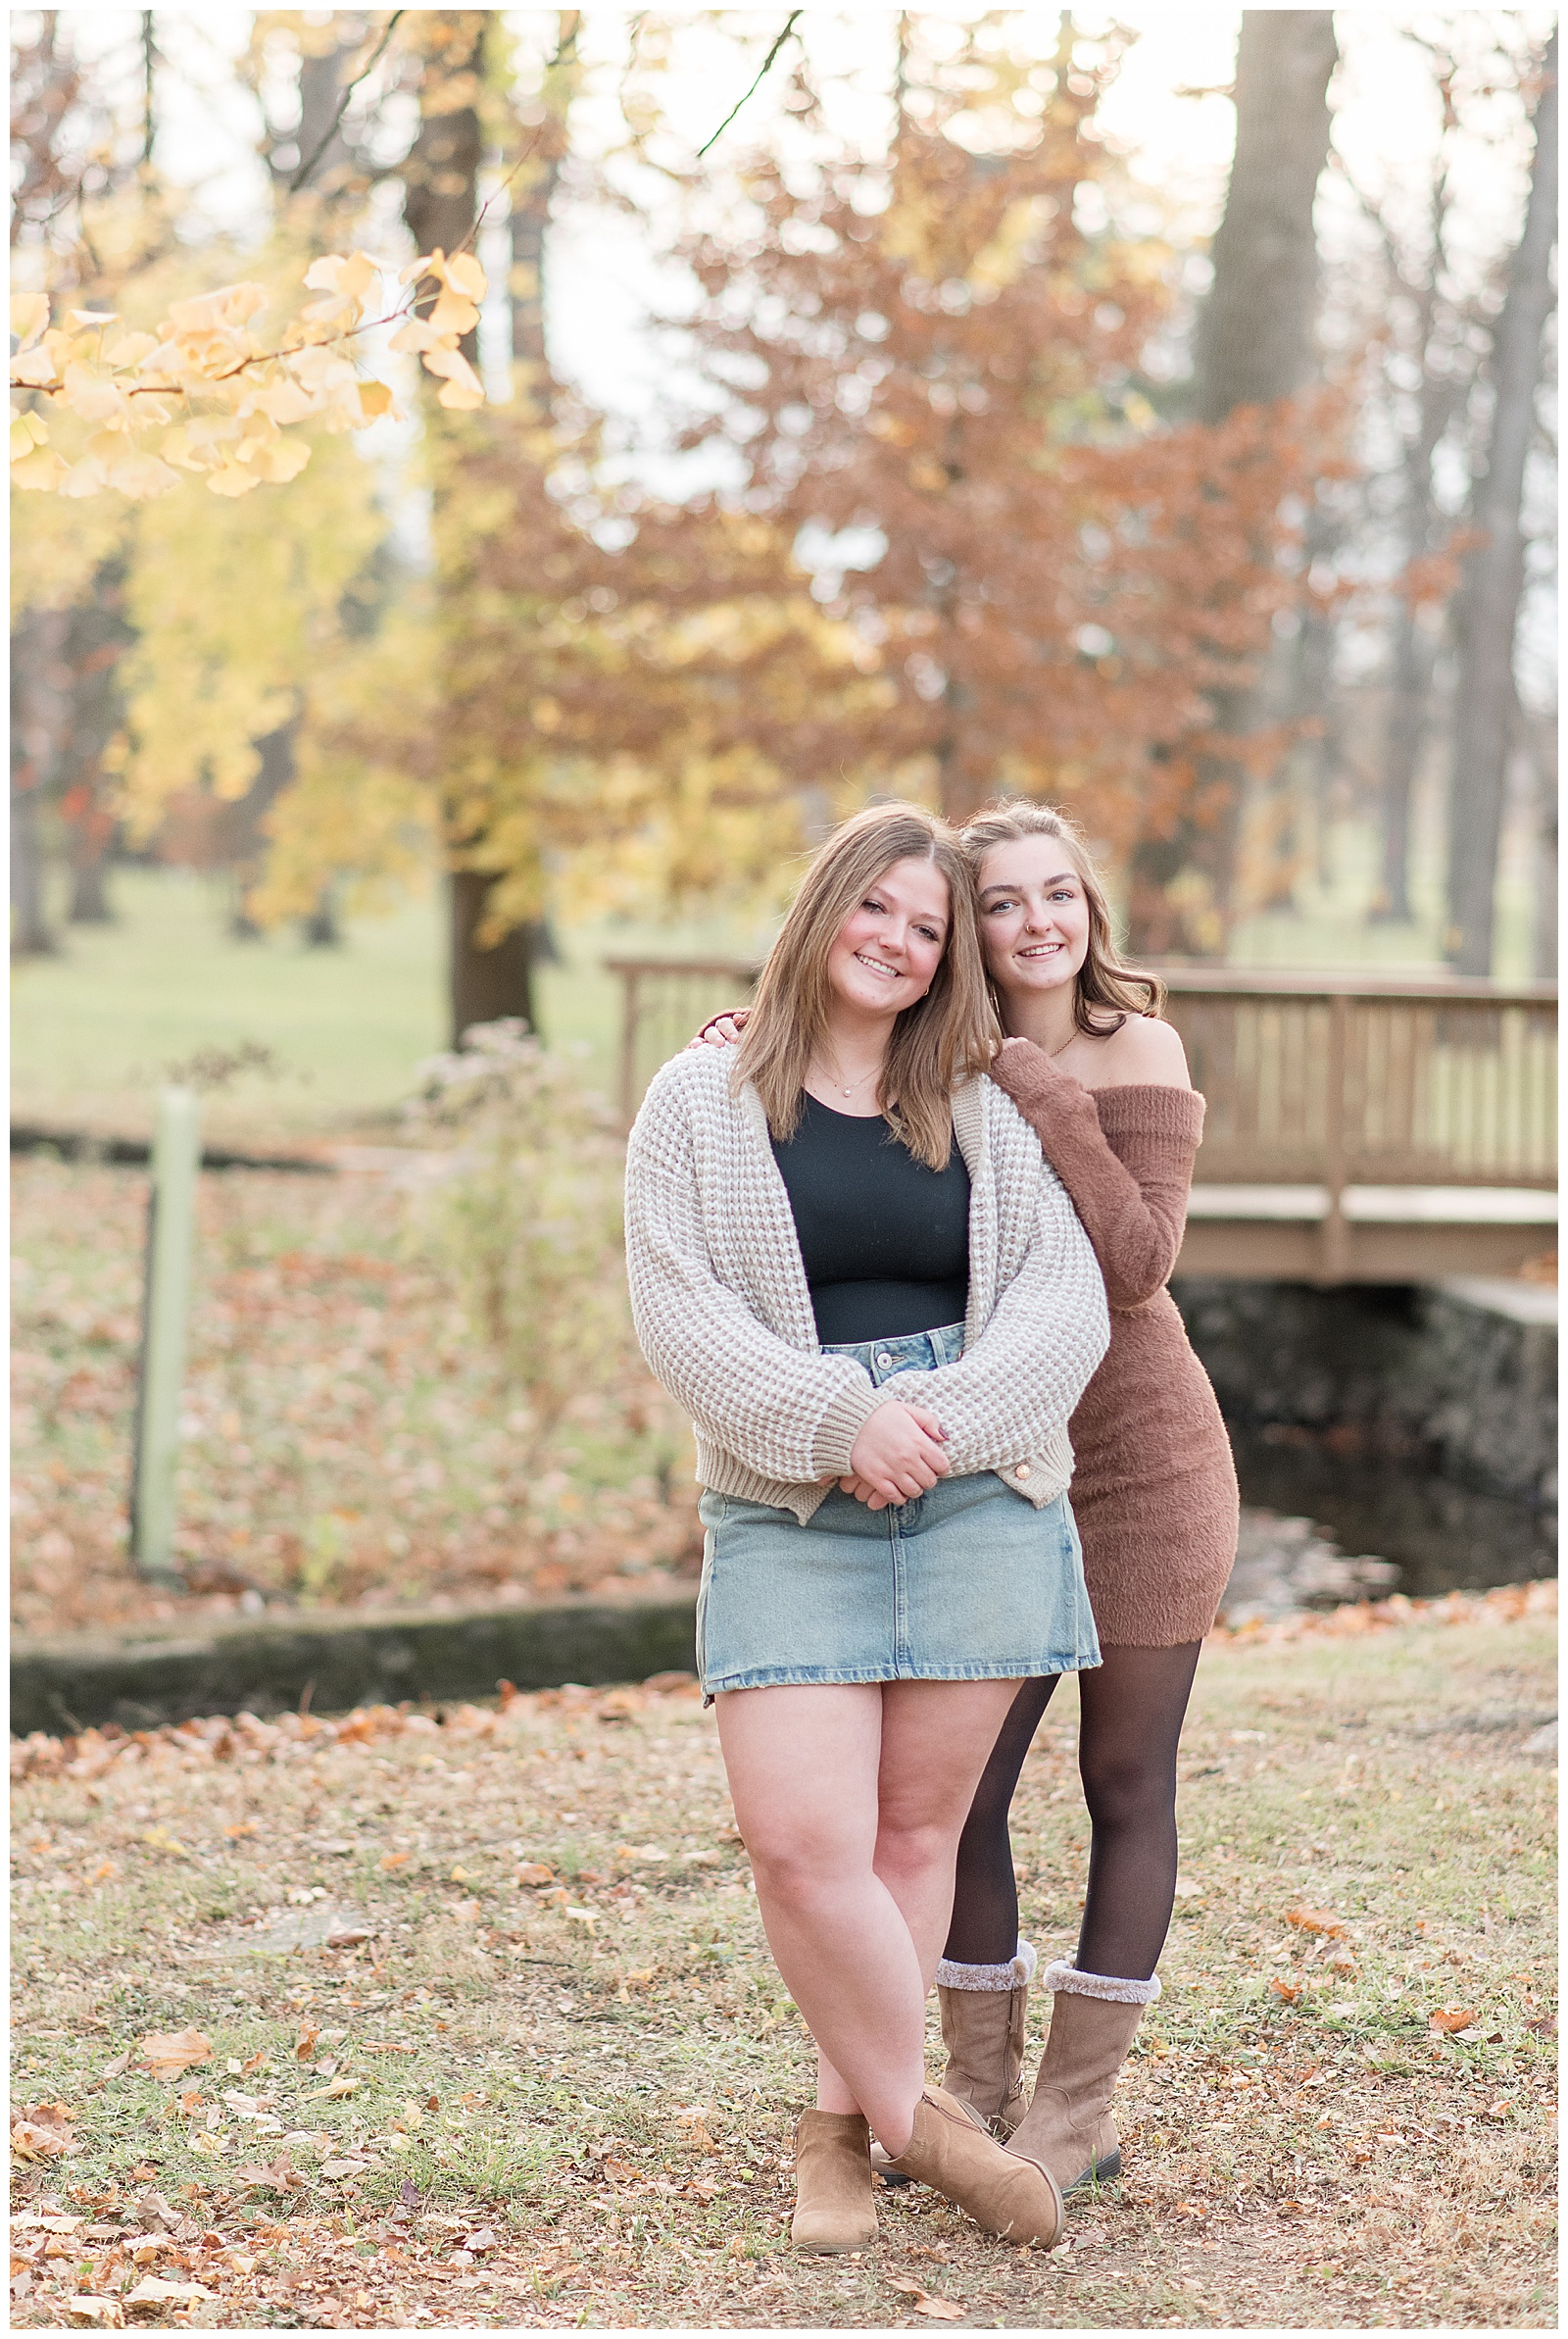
277,1664
1414,1422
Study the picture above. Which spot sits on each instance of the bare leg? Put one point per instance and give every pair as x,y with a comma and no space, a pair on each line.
836,1874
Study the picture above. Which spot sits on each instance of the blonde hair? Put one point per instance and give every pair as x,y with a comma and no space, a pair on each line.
1105,985
943,1038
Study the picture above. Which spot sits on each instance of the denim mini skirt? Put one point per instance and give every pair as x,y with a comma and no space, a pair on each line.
968,1583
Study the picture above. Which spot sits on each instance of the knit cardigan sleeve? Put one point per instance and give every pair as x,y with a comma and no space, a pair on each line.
1125,1155
785,1412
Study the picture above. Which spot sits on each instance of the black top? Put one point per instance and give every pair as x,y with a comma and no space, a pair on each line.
885,1240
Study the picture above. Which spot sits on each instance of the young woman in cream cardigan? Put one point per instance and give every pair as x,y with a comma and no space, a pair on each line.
850,1263
1102,1081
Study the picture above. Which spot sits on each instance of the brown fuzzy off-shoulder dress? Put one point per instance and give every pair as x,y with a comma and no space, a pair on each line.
1153,1487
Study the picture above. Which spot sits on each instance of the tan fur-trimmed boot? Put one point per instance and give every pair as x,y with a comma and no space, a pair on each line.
834,2206
1068,2130
983,2013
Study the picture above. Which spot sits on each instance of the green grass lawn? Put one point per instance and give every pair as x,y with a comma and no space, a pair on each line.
94,1029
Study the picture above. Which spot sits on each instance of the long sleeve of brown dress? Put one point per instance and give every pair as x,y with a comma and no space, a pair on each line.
1153,1487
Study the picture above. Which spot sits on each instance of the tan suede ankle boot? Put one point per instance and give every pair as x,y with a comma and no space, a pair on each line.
834,2206
1068,2130
951,2152
983,2013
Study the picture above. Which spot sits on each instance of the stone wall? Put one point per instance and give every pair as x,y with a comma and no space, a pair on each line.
1456,1380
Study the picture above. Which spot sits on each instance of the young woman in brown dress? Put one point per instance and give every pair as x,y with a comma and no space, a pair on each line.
1104,1082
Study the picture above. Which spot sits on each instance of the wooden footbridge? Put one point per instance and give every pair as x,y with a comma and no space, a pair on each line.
1361,1128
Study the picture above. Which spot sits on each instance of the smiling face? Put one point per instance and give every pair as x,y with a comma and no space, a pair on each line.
1034,915
886,954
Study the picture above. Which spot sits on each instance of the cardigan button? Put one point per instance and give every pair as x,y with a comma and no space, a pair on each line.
1021,1471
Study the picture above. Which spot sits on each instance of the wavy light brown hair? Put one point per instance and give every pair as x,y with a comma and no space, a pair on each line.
1107,991
943,1038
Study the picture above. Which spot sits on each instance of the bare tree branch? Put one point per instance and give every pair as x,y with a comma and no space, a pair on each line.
309,165
791,22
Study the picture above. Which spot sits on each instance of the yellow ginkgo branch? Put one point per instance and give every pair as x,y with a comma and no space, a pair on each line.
204,349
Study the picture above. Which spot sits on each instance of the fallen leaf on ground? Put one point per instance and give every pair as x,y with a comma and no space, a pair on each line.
1316,1921
478,2242
926,2302
1290,1991
348,1936
84,2309
168,2052
43,2132
395,1860
1452,2019
534,1873
304,2044
153,2291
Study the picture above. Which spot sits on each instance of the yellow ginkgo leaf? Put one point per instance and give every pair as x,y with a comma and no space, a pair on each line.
416,334
30,314
454,367
465,274
93,396
138,475
27,432
350,279
213,311
129,350
276,460
376,399
40,472
453,314
284,401
232,479
32,369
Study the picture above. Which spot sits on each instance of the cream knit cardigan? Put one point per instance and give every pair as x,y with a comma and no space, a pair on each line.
723,1311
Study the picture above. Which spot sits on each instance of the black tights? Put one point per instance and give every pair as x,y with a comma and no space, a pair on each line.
1132,1707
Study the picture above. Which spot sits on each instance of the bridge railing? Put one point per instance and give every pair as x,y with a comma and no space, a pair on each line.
1319,1087
1361,1080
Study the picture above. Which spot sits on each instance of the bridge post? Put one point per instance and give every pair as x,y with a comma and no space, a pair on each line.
629,1012
1336,1246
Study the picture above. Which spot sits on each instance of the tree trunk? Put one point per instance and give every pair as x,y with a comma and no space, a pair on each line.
440,203
239,839
1544,908
1487,608
533,193
487,984
96,641
1253,345
37,672
321,930
1401,759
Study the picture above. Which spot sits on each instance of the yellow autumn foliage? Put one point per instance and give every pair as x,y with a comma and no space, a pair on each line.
237,612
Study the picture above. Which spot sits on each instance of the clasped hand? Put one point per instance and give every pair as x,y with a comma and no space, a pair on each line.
898,1455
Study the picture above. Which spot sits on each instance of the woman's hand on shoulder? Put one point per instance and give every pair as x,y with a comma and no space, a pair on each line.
721,1031
1145,1053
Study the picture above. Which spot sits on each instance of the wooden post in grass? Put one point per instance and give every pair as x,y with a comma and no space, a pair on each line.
166,1307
